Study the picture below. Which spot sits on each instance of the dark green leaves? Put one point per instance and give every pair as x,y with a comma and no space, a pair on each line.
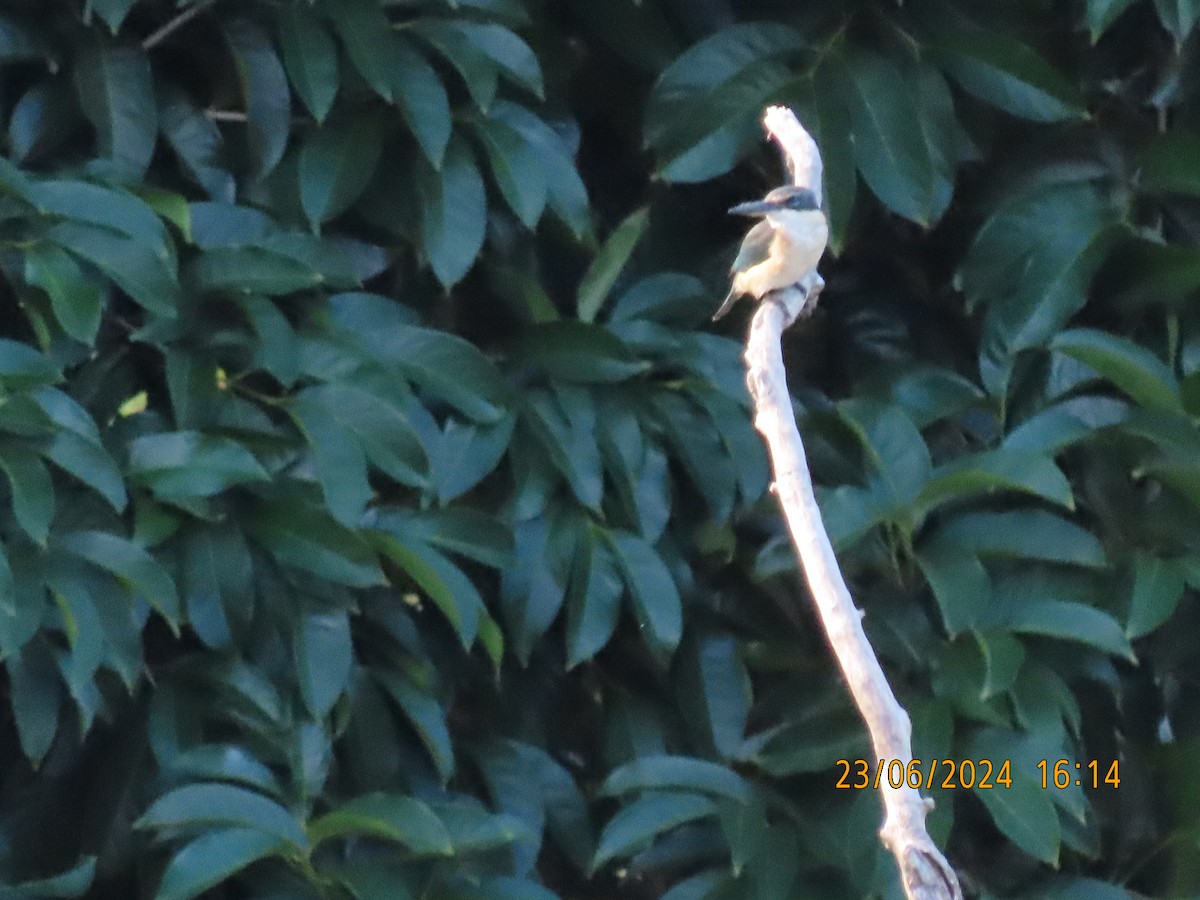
310,57
336,163
1010,76
265,93
76,299
703,111
191,464
453,207
1031,272
214,857
390,817
909,169
116,93
201,806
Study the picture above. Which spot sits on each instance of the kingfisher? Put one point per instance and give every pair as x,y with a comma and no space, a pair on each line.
781,249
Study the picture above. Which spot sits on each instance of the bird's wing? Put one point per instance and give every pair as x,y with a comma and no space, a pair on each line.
755,248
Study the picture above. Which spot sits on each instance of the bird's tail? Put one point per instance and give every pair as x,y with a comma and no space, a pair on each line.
727,305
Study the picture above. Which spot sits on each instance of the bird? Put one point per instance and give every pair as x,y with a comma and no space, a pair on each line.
781,249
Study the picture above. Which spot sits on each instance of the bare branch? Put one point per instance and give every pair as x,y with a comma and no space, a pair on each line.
157,37
226,115
925,873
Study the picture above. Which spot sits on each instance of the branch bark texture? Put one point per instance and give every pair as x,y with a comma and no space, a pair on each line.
925,872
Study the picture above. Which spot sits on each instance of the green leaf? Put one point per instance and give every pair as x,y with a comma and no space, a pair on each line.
216,574
566,193
1009,75
338,456
958,580
517,168
828,119
429,577
43,118
1031,264
130,564
35,693
664,772
1025,534
113,12
1168,164
427,718
638,823
310,58
22,366
197,142
116,93
76,300
579,352
32,490
892,156
714,693
200,806
253,270
516,60
265,92
367,36
1067,621
593,599
468,453
526,782
21,42
76,447
422,99
214,857
1157,589
1063,424
462,530
346,426
1024,812
324,657
533,590
74,882
1131,367
564,424
191,464
453,205
336,164
137,269
704,100
226,762
655,597
614,253
1101,14
440,364
994,470
305,538
390,817
96,204
473,828
479,72
1178,17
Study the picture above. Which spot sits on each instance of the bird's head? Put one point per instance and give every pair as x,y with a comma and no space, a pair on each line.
797,199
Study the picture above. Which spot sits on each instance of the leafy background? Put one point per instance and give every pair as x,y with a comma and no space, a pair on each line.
381,519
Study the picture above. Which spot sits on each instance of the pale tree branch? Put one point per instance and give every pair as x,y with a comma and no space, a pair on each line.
924,871
157,37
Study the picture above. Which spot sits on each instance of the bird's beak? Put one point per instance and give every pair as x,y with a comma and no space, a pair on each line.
755,208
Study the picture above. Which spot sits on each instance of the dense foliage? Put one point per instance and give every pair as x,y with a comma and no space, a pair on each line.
380,518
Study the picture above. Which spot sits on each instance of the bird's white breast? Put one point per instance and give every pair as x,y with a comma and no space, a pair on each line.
797,244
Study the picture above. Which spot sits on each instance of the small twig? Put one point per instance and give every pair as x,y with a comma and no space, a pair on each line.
226,115
923,870
157,37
